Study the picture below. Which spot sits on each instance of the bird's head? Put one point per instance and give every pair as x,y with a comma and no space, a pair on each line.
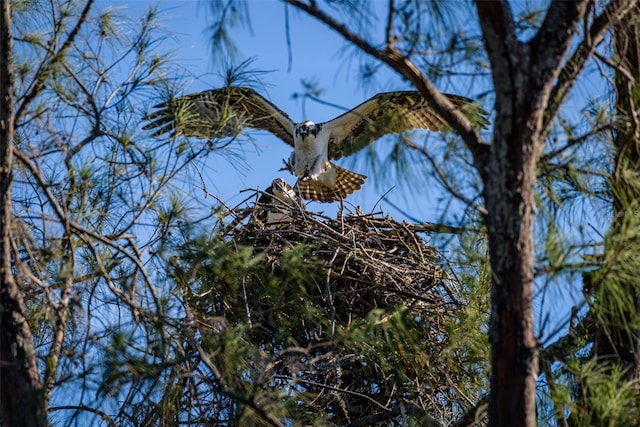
306,128
280,185
283,191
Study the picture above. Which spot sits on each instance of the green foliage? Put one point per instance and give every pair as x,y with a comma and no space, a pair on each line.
597,394
615,304
267,334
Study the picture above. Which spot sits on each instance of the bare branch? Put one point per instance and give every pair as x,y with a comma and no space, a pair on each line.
266,416
443,178
390,18
101,414
82,232
329,387
42,72
572,142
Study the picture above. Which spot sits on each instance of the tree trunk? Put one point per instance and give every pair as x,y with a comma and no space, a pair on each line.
21,400
509,198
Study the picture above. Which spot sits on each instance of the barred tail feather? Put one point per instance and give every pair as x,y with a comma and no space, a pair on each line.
346,182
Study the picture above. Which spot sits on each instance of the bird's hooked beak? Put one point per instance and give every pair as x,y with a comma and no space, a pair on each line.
279,185
305,129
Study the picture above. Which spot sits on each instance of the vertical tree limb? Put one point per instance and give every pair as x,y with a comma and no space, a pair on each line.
21,400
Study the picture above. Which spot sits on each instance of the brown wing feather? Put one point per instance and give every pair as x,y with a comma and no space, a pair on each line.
220,113
392,112
346,183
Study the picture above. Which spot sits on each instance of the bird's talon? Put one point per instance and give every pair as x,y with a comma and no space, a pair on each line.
287,166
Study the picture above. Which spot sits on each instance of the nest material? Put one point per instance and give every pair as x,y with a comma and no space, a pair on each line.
358,250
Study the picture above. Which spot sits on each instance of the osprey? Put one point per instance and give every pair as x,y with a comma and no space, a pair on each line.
225,112
276,203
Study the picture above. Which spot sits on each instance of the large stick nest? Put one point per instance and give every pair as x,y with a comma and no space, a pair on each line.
373,260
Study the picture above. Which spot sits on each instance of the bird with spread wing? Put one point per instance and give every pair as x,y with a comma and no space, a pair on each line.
225,112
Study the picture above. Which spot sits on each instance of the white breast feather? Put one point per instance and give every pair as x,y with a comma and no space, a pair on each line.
311,154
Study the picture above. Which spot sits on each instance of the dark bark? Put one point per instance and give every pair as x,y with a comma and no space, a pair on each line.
21,400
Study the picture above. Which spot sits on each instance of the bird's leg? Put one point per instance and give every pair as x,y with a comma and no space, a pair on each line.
340,210
287,166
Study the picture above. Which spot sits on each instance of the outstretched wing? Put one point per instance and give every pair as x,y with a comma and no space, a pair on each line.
391,112
220,113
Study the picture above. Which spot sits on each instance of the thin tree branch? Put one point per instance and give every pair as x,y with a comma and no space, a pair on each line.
84,233
475,415
101,414
390,17
42,72
614,66
572,142
569,344
266,416
61,316
443,178
377,419
332,388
